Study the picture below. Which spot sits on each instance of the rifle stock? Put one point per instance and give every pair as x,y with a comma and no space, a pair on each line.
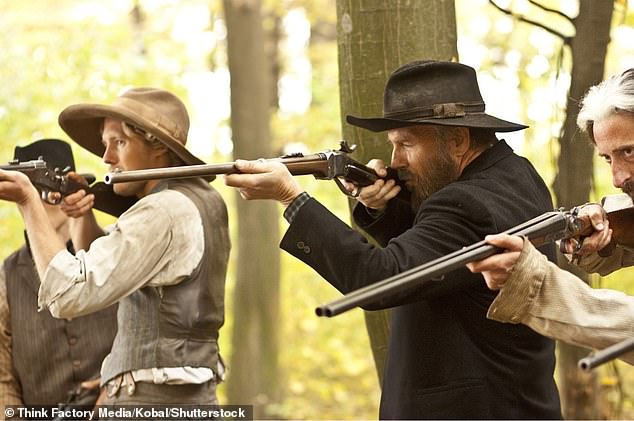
547,227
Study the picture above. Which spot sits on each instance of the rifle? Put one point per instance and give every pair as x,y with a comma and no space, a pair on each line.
327,165
54,180
545,228
47,180
607,354
78,398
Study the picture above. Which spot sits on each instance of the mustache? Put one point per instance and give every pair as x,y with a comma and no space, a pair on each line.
404,175
627,188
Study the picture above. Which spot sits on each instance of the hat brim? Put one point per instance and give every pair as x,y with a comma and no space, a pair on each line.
480,120
83,123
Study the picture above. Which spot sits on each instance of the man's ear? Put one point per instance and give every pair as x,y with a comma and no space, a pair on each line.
160,154
460,141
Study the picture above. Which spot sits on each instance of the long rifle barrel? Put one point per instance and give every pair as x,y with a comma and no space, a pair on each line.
316,164
169,172
607,354
550,226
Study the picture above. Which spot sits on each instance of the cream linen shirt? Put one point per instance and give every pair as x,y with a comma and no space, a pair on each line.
156,243
557,304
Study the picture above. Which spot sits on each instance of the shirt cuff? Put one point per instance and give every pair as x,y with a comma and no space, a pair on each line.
56,279
516,297
292,209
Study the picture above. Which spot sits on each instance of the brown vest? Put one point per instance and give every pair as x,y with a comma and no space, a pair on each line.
52,356
177,325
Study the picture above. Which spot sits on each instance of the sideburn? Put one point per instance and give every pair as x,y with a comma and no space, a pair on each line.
439,173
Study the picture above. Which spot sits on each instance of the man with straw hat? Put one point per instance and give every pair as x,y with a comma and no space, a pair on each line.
445,358
164,260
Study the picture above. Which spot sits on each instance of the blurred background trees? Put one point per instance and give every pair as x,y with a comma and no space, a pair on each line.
290,363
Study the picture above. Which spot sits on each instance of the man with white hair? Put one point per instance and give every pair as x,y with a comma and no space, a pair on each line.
551,300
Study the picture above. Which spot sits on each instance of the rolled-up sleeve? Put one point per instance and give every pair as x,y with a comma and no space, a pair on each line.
619,258
157,242
515,300
557,304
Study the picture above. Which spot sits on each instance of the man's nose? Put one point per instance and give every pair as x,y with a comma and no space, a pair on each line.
109,156
620,175
398,160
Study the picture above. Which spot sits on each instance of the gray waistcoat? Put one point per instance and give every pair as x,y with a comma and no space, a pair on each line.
178,325
52,356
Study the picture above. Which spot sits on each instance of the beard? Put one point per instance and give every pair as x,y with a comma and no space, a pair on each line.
435,174
628,188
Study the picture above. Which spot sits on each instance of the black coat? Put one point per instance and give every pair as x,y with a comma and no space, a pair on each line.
445,358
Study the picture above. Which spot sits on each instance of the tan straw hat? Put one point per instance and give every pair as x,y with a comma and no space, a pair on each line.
155,111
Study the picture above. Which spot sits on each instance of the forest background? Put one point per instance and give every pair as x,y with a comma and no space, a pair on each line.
55,53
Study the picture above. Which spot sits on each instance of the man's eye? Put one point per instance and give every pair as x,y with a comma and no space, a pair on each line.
628,153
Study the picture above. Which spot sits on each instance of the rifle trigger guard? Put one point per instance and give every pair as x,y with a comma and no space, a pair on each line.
46,196
343,189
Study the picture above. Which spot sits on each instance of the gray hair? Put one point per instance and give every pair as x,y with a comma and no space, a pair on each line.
613,95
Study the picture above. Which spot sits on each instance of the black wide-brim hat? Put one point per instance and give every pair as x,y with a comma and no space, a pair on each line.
55,152
156,111
433,92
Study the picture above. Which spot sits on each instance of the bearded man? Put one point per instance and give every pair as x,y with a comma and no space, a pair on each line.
445,358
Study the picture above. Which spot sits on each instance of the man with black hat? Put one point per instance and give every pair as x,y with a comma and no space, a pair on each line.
445,358
164,261
44,359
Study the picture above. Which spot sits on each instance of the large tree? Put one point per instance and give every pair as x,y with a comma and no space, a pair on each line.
374,38
253,364
573,183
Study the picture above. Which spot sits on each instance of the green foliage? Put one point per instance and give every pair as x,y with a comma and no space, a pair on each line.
72,52
56,53
89,51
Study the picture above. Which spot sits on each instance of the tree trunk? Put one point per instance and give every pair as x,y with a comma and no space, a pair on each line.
573,182
374,38
253,373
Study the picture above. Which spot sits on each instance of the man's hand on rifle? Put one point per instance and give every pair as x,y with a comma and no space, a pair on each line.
598,240
264,180
95,384
496,269
16,187
79,203
378,194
